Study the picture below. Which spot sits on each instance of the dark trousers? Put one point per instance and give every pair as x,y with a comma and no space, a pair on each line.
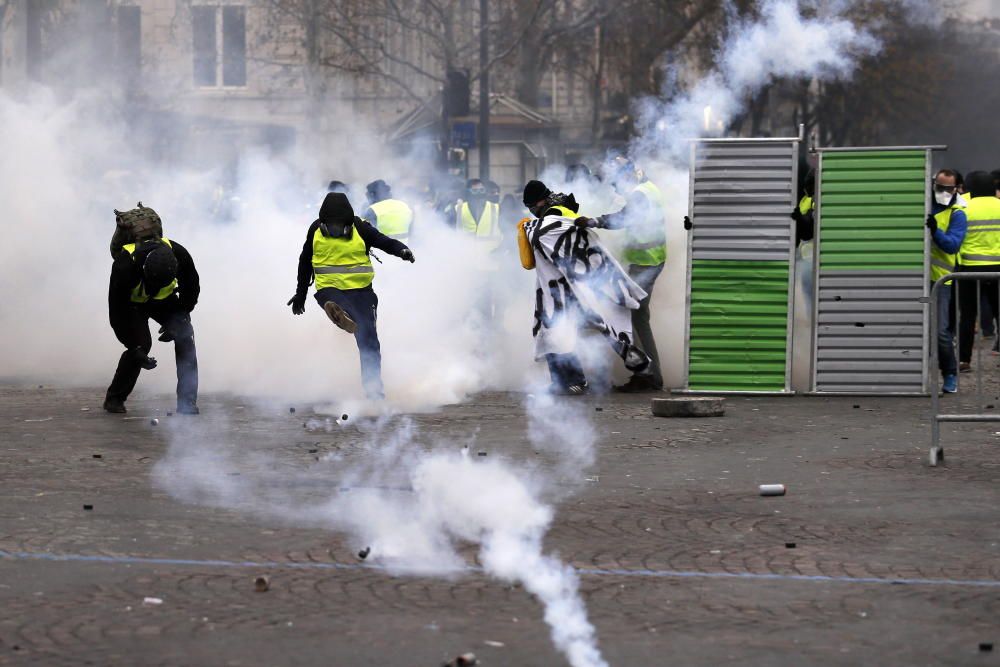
565,370
361,306
645,277
987,318
945,338
178,323
968,302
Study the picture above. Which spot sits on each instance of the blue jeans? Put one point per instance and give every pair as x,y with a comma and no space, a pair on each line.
945,341
361,306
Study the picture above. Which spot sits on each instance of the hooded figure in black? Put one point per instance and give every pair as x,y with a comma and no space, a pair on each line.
154,279
336,256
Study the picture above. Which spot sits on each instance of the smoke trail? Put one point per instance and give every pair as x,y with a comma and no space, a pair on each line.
414,505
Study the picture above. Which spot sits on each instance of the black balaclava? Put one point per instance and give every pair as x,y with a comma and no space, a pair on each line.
336,216
475,196
534,192
159,268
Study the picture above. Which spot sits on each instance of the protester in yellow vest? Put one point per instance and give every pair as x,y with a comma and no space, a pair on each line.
947,225
392,217
155,278
644,220
980,252
336,256
478,216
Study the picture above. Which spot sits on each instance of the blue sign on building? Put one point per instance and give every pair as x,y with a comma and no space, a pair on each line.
463,135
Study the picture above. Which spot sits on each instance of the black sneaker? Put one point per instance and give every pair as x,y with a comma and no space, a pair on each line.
188,409
114,406
638,384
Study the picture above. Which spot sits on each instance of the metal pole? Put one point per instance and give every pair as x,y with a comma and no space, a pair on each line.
933,374
484,91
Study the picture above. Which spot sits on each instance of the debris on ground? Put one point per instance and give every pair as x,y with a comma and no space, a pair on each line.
482,453
98,456
152,601
985,647
35,421
88,507
154,421
261,584
772,489
494,644
464,660
363,554
789,545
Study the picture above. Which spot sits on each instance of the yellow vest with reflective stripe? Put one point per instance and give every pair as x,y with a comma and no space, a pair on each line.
139,291
487,229
942,263
341,263
982,239
646,240
393,218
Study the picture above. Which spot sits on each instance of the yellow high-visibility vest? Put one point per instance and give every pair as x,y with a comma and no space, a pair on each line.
806,204
393,218
139,291
982,239
943,263
341,263
487,229
646,240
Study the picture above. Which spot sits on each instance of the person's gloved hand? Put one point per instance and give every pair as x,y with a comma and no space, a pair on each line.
407,255
589,223
796,214
298,303
165,335
144,360
687,223
931,223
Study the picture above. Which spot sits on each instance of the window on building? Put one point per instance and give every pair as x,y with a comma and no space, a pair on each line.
128,43
219,45
234,46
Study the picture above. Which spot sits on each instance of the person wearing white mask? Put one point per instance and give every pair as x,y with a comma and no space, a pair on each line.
947,224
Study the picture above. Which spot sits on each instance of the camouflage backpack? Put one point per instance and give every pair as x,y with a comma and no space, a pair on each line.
134,226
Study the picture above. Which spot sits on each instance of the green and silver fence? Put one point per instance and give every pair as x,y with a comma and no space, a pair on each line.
740,265
872,273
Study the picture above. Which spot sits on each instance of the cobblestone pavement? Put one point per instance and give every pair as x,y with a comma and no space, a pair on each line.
873,558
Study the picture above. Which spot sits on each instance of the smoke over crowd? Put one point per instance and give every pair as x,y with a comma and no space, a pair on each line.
72,161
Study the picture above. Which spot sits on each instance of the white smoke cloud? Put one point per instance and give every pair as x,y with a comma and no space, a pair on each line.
414,502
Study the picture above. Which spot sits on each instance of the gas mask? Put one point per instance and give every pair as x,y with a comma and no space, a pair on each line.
336,229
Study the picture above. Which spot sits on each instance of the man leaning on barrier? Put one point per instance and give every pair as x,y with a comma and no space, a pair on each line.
947,225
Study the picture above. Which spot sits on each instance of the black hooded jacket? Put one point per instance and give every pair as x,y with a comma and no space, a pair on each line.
126,273
336,213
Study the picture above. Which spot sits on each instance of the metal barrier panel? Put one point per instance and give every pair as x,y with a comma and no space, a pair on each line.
870,314
739,268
